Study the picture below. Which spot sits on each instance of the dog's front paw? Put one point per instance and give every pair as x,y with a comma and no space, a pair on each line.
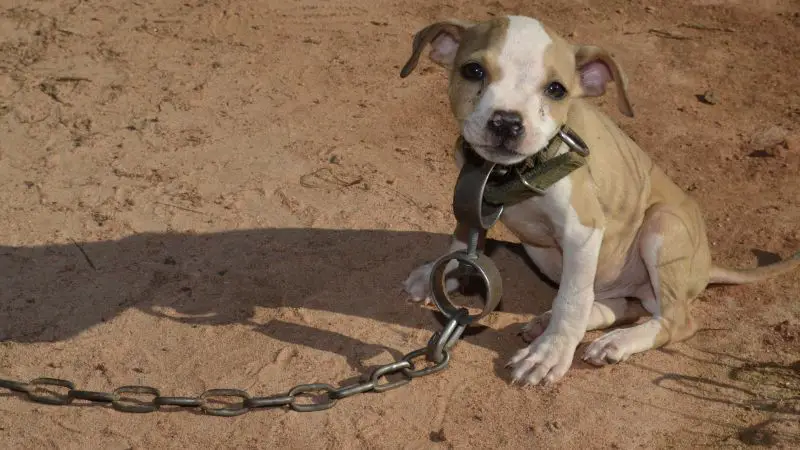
547,359
536,327
418,287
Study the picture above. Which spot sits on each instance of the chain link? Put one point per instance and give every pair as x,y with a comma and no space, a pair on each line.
54,391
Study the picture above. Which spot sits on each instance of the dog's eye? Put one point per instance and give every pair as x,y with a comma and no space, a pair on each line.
473,71
555,90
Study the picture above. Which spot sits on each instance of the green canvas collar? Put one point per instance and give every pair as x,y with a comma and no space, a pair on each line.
508,185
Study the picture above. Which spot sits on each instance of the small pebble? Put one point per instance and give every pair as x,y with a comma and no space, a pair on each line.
438,436
769,142
708,98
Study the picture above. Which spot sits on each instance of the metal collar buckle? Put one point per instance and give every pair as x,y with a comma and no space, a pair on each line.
573,141
526,184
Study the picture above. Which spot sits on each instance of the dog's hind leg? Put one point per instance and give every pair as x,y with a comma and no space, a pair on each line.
605,313
674,249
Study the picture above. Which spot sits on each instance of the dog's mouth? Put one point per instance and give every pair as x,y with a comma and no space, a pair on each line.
502,154
503,150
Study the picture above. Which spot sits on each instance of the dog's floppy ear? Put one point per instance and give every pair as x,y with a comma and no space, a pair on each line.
444,37
596,67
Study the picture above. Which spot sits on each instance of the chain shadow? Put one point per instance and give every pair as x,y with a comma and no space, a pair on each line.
769,433
766,387
763,386
764,432
54,292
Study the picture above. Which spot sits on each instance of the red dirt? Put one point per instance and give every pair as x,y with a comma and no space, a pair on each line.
252,181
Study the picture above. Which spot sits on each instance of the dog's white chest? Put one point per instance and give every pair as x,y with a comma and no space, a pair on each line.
530,224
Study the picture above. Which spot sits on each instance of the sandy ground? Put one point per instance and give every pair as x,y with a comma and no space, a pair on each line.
252,181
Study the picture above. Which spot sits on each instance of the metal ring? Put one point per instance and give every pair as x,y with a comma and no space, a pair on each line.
397,367
308,388
413,372
353,389
468,205
119,404
93,396
573,141
451,341
224,411
186,402
484,268
16,386
50,399
444,340
268,402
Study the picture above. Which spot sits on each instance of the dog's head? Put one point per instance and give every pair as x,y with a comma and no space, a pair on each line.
512,80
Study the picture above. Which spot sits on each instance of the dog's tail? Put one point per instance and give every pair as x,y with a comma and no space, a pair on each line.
722,275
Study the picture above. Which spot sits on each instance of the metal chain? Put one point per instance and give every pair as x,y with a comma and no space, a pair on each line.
436,353
469,209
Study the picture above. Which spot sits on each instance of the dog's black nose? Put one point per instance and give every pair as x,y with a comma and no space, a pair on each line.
506,124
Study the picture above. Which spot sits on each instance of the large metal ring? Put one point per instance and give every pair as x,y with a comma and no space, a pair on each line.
468,205
482,267
573,141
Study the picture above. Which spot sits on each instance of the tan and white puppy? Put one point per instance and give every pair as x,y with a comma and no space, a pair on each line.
622,241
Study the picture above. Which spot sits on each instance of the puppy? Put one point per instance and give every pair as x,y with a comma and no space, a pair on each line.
621,240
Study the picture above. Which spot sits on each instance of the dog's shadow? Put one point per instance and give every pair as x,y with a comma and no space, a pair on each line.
53,292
